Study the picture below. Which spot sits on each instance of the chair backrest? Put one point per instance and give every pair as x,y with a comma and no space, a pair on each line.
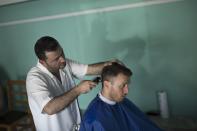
17,105
17,95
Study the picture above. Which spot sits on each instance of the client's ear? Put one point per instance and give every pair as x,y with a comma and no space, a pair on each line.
107,84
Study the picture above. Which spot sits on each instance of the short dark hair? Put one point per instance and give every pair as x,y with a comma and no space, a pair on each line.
113,70
45,43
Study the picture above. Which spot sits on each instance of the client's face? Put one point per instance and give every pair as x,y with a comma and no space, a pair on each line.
119,87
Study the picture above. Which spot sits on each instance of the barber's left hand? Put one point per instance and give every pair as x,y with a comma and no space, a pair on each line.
114,61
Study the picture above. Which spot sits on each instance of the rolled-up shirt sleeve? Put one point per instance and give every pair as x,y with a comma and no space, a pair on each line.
78,70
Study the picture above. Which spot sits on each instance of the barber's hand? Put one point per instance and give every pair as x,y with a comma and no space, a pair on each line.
114,61
85,86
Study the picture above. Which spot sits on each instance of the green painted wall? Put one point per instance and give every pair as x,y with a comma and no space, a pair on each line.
157,42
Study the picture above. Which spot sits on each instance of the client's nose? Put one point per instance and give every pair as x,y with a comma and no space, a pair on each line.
126,90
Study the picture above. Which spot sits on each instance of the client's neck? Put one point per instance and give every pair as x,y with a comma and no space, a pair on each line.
105,93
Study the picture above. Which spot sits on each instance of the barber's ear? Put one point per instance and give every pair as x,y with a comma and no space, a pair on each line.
42,62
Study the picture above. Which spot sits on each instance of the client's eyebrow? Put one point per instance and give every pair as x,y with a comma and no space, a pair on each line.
123,84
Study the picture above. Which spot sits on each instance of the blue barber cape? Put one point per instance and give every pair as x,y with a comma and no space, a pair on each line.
123,116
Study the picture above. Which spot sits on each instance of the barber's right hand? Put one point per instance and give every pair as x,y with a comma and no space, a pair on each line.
85,86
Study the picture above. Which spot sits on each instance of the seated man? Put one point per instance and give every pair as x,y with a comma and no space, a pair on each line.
110,110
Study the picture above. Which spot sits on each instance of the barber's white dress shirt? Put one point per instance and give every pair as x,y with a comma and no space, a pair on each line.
42,86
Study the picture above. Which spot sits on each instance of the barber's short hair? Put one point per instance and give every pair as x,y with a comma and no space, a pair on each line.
114,70
45,43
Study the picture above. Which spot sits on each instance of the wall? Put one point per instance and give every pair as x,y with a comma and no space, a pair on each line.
157,42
